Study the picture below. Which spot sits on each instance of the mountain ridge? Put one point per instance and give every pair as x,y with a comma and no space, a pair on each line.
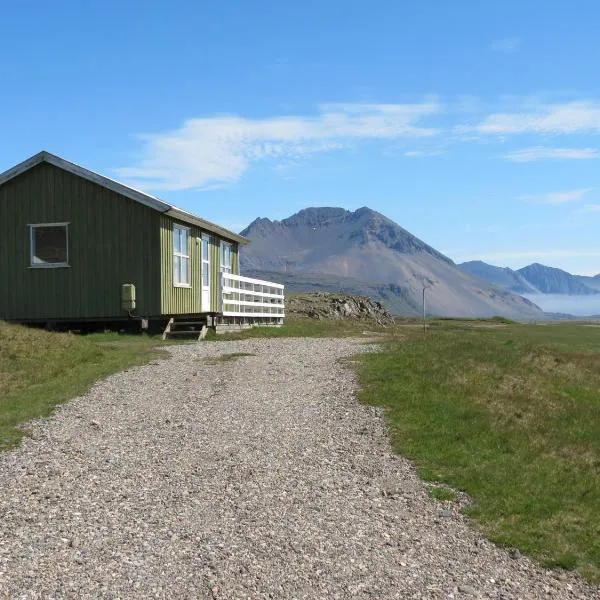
364,246
534,279
502,276
367,224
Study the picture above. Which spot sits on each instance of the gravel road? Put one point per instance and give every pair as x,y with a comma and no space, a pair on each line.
258,477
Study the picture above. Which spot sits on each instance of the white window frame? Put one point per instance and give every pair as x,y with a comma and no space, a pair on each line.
36,265
226,268
205,239
181,255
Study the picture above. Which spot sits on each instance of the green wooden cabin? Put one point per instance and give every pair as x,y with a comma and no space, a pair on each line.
77,246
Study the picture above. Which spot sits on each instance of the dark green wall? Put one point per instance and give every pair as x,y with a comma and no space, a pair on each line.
112,240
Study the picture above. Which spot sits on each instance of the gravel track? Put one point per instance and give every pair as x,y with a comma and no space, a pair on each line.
258,477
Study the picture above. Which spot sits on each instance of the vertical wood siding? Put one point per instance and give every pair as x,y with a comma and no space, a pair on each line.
182,300
112,240
179,300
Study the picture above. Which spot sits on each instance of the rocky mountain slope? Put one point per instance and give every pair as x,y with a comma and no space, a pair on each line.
534,279
591,282
549,280
326,244
502,276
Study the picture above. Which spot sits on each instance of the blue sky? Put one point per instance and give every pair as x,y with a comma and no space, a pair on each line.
474,125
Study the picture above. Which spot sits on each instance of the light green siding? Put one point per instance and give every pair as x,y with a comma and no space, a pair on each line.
112,240
182,300
179,300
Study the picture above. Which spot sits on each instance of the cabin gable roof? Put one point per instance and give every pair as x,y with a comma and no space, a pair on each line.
124,190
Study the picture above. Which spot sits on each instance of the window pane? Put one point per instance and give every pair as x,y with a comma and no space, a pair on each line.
49,245
180,240
205,274
185,271
205,248
176,239
176,269
225,257
184,241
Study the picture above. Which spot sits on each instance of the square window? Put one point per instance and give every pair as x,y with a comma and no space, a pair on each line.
49,245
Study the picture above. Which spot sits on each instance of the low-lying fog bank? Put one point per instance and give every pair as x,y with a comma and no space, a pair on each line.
580,306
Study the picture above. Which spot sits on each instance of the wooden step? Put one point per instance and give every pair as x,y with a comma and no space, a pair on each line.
188,332
193,329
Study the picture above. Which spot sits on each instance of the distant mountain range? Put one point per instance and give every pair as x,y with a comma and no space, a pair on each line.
534,279
332,249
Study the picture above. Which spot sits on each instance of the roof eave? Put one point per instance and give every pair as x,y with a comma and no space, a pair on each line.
186,217
31,162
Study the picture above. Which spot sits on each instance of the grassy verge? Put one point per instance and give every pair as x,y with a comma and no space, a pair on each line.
305,327
39,370
511,415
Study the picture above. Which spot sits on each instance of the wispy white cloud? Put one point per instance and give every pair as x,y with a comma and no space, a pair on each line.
217,150
589,208
212,151
422,153
508,45
566,118
556,197
545,153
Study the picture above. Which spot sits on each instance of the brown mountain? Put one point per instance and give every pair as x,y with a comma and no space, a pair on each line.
333,245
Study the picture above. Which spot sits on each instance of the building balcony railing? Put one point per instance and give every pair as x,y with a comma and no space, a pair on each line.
252,298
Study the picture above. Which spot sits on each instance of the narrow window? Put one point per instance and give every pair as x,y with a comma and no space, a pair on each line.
225,257
205,260
49,245
181,256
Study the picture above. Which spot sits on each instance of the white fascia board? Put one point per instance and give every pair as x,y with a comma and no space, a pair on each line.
186,217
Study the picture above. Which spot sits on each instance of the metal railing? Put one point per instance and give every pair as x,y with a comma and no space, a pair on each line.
252,298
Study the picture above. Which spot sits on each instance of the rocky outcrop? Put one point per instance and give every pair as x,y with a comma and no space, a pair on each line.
338,306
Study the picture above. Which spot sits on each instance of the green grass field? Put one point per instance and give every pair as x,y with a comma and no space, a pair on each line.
511,415
305,327
39,370
508,413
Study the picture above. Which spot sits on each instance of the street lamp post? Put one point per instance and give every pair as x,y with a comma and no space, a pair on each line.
424,326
